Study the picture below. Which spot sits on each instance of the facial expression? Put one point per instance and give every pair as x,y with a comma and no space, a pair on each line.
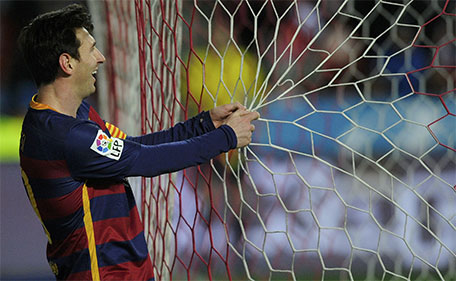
87,65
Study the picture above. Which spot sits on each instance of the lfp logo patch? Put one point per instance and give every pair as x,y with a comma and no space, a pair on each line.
106,146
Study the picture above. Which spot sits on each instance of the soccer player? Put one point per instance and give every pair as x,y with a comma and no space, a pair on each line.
74,164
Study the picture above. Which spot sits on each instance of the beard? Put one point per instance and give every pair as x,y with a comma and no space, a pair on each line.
89,87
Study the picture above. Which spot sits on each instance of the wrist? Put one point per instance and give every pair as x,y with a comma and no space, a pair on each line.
216,123
205,118
231,135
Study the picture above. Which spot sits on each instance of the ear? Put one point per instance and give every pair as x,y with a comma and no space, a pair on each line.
66,63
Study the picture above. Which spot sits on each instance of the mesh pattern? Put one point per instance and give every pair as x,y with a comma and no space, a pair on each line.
351,172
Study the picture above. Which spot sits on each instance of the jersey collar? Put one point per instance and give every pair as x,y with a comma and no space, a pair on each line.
40,106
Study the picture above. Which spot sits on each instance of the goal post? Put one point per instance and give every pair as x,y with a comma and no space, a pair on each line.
351,171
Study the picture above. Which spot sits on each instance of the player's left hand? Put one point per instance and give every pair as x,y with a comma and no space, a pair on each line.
220,114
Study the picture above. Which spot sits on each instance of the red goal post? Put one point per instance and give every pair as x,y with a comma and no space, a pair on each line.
350,175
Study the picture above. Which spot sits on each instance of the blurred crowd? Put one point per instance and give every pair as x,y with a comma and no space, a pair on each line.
17,85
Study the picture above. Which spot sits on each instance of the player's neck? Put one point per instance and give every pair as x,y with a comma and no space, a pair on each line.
59,97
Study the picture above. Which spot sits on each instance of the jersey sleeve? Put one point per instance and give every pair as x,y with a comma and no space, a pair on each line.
92,154
196,126
163,158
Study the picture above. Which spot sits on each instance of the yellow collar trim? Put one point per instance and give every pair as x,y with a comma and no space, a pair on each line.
40,106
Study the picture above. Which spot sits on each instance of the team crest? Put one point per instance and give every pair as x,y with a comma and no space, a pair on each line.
106,146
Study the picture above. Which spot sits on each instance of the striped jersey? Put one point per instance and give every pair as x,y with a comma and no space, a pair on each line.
74,172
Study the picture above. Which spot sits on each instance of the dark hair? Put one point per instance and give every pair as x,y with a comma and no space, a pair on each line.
48,36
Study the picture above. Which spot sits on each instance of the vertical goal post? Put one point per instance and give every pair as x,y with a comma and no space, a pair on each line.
351,171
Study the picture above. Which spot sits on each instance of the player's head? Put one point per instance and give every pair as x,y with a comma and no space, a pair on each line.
50,35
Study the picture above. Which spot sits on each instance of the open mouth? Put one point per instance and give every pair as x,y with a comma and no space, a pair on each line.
94,75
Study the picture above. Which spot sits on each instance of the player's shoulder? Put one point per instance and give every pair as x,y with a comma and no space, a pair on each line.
47,123
82,129
51,127
44,132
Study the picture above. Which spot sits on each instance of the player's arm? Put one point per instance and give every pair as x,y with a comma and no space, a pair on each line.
92,154
235,133
196,126
200,124
174,156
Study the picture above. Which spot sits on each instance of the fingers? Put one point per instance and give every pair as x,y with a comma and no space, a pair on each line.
235,106
241,122
238,105
255,115
251,115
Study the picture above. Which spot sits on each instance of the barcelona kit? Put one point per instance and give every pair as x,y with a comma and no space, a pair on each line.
74,171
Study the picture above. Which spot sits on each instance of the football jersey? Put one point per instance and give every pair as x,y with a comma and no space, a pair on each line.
74,172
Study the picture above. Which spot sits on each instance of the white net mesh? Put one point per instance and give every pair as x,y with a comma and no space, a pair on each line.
352,168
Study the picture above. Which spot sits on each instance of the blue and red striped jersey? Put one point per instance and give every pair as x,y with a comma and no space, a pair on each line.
74,172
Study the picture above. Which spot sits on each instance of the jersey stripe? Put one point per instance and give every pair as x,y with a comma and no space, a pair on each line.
43,188
45,169
60,207
131,232
122,271
93,115
60,228
116,252
33,203
102,207
88,223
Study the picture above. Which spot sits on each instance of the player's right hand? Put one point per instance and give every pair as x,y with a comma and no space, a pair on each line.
241,122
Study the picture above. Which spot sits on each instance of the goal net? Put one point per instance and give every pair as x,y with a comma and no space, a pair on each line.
351,174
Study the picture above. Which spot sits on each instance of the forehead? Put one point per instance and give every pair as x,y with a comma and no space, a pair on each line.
84,37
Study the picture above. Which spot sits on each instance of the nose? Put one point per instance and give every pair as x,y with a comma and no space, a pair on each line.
100,57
